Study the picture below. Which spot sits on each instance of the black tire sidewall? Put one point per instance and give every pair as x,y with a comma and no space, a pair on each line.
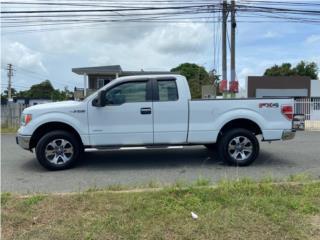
40,149
228,136
211,146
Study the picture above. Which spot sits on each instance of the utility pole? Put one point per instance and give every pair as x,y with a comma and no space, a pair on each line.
224,82
10,74
233,87
233,38
224,40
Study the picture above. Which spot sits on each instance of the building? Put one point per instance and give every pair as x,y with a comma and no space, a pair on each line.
31,101
25,101
305,91
282,86
315,88
96,77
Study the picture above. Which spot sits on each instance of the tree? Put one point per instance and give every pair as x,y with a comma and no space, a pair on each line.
196,76
45,90
42,90
307,69
5,93
301,69
58,95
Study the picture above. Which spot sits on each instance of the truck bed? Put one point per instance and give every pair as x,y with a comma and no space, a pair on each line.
206,117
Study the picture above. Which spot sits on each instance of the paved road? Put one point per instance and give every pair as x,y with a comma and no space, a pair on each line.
22,173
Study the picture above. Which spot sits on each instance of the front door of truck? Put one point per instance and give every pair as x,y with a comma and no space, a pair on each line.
127,117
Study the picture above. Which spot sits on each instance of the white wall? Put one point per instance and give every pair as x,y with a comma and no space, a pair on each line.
262,92
315,88
242,93
38,101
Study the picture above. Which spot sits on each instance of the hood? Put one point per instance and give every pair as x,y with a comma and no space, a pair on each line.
55,106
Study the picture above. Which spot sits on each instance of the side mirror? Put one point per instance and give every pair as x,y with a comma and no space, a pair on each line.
100,100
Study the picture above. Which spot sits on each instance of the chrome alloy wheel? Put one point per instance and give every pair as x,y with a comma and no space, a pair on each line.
240,148
59,151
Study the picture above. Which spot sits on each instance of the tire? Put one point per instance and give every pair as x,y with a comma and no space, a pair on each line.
58,150
211,146
238,147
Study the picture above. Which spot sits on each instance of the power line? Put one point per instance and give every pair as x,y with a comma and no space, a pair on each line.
141,12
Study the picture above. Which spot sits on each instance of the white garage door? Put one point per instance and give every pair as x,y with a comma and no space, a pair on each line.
263,92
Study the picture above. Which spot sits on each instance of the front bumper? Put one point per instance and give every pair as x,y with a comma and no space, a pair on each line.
23,141
288,134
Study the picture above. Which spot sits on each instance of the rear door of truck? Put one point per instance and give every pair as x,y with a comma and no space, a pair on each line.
170,112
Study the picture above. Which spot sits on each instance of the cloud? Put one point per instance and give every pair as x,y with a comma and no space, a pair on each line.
271,34
133,46
88,38
21,56
166,39
181,38
313,39
161,46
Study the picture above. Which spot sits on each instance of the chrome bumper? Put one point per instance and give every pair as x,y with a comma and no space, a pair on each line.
23,141
288,134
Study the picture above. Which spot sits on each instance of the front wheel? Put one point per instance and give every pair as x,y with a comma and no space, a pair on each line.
238,147
58,150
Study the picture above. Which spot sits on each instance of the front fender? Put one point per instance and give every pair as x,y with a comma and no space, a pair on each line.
79,123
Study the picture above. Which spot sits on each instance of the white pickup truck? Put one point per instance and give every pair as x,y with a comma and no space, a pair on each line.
152,111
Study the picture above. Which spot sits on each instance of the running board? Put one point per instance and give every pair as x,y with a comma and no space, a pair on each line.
93,149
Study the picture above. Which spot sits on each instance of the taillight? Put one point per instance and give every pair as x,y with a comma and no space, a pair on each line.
287,111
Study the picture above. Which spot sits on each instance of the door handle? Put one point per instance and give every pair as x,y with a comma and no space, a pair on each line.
145,110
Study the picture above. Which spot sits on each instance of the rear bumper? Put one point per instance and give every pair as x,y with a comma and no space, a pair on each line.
288,134
23,141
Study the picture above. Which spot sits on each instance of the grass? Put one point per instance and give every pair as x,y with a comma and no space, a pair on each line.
231,210
201,181
33,200
8,130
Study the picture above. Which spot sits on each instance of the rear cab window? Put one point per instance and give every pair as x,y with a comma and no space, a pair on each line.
167,90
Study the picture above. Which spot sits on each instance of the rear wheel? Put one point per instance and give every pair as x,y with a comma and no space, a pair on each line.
58,150
238,147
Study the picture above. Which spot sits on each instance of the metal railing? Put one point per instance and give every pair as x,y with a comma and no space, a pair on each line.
310,108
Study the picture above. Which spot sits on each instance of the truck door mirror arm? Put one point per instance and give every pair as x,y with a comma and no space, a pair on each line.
100,100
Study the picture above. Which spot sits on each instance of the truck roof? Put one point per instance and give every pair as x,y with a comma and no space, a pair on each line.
135,77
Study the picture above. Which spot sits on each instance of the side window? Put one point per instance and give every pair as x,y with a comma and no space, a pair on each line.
127,92
167,90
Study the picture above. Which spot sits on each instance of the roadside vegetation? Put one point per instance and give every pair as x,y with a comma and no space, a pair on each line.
230,210
8,130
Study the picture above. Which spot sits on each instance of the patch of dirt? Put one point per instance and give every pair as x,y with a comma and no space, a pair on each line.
315,222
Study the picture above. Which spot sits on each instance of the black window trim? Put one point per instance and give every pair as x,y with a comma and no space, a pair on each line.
155,88
149,91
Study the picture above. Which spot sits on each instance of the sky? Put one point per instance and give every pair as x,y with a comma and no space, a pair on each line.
41,55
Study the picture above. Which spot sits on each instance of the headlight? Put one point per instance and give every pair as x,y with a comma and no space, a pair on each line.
25,119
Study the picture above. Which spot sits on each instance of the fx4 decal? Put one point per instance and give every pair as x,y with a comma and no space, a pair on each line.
78,111
268,105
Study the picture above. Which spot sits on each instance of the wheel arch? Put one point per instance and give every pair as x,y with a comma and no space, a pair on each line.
241,123
50,126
